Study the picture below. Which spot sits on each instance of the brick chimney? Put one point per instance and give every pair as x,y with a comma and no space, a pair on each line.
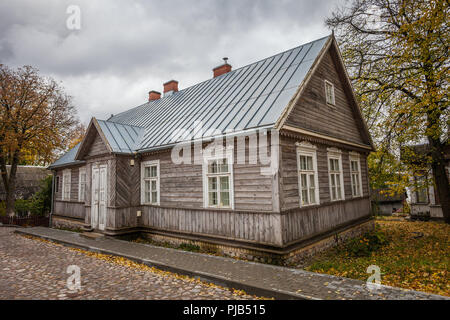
154,95
222,69
170,87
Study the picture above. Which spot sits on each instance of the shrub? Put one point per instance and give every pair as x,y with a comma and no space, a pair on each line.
366,244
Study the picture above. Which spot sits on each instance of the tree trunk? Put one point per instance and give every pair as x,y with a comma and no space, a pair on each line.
9,182
440,177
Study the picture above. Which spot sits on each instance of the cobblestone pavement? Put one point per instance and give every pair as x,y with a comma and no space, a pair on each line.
33,269
268,280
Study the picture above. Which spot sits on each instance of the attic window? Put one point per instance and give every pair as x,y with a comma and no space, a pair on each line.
329,93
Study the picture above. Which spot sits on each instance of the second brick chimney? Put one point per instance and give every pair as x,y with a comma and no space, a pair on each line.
154,95
170,87
222,69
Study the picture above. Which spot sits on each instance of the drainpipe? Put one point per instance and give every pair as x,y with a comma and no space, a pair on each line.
53,196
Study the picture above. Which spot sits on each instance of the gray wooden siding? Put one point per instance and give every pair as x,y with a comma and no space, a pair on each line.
306,222
97,146
263,228
181,185
290,195
69,209
74,179
311,111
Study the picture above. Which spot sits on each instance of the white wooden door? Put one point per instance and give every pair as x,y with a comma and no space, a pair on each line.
95,198
102,199
99,196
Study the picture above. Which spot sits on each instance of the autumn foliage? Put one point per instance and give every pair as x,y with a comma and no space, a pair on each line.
36,120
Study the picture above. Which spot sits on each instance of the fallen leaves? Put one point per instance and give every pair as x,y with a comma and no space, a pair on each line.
410,262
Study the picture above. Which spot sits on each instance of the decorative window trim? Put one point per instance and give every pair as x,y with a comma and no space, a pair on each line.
66,182
333,97
81,187
145,164
226,154
334,153
307,149
354,156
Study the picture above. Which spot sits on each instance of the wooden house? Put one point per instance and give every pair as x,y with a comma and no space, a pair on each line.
122,177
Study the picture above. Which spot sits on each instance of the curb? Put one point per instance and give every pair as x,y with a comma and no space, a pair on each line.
249,289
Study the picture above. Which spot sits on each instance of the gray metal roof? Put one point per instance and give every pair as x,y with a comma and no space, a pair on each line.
68,158
249,97
122,138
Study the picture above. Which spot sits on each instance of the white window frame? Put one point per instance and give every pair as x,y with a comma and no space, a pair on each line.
333,98
309,150
66,181
81,185
226,154
354,156
150,163
334,153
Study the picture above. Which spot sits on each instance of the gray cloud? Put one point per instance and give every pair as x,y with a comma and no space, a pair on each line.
126,48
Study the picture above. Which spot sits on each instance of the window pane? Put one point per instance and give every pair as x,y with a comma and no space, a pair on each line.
153,171
312,195
302,163
147,196
225,199
212,198
212,183
154,197
303,181
224,166
333,193
304,196
212,167
153,185
224,185
311,181
147,172
309,165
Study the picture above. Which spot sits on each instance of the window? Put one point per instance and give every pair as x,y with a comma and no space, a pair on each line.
218,182
82,184
150,182
57,184
355,172
66,184
335,174
308,182
421,189
329,92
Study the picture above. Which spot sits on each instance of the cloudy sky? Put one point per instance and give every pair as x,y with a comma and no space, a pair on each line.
123,49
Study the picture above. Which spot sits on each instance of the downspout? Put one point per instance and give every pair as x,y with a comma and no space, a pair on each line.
53,197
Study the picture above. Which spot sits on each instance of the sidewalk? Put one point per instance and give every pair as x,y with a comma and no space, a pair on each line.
254,278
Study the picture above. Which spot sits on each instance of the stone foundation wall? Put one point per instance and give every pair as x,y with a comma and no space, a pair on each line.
64,223
301,254
292,258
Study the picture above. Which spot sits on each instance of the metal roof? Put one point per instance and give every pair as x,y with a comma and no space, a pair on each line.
122,138
68,158
249,97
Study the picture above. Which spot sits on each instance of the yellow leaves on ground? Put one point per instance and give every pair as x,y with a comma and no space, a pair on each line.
417,257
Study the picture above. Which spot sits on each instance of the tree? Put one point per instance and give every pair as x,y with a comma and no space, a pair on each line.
77,135
396,52
36,118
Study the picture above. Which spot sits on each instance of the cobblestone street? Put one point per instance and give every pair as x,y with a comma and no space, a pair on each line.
33,269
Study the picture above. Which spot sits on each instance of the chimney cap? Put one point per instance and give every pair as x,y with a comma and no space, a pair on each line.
169,82
154,91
